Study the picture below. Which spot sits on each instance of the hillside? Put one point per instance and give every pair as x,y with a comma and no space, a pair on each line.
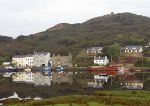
122,28
101,98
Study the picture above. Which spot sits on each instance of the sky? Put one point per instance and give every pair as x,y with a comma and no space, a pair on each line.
32,16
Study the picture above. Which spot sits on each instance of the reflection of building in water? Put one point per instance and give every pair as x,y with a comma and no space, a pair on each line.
101,77
98,81
58,60
65,77
42,80
23,77
36,78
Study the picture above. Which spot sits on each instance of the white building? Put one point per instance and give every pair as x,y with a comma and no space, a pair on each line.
132,49
23,60
29,60
41,59
37,59
6,63
94,51
23,77
102,61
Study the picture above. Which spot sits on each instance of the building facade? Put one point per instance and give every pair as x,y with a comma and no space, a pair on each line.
58,60
64,77
132,49
102,61
23,60
41,59
94,51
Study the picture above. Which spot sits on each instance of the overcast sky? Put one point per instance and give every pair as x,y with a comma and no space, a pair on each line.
32,16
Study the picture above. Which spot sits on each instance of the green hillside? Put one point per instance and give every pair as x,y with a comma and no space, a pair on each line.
122,28
100,98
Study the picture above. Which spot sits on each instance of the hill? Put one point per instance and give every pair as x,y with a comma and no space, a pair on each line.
122,28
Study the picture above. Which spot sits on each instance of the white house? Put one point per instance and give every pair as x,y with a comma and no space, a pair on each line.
102,61
23,60
41,59
94,51
6,63
132,49
18,60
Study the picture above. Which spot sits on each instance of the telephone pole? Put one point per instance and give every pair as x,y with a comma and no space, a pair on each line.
111,59
142,68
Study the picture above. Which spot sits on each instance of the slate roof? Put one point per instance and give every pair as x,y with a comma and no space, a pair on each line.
41,53
133,47
94,48
23,56
99,58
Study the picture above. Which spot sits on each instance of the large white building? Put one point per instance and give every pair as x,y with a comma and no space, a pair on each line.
102,61
41,59
37,59
23,60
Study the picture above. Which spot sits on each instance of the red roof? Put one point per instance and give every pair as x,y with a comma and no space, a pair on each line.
109,70
106,68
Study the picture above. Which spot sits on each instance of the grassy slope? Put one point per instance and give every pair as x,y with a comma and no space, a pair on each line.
115,98
123,28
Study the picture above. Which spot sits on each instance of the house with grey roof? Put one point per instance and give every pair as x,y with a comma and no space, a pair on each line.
94,51
132,49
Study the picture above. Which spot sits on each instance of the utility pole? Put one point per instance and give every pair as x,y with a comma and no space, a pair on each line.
142,69
142,62
111,59
111,81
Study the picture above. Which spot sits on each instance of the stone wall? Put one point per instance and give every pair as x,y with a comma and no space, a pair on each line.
62,60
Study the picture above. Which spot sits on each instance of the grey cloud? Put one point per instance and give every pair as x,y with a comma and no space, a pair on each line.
31,16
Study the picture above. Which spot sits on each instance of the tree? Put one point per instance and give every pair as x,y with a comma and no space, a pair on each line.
113,51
